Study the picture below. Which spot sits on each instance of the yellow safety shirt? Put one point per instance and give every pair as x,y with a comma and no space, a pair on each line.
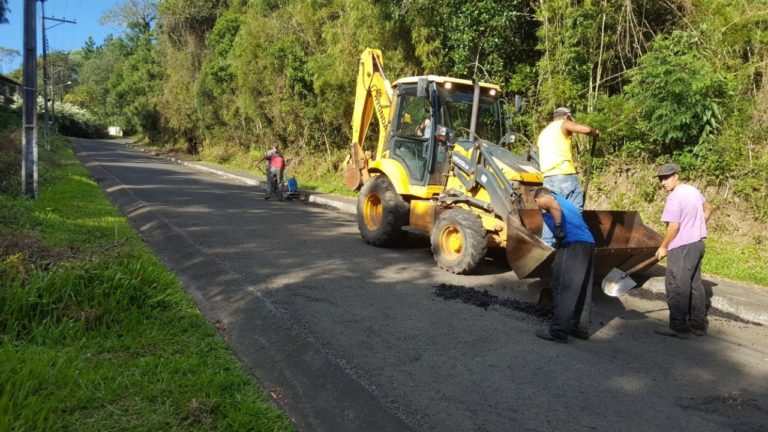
555,151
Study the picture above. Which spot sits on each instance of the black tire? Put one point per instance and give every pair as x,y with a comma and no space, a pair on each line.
458,241
381,213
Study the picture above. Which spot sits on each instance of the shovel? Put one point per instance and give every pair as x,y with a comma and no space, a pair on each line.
618,282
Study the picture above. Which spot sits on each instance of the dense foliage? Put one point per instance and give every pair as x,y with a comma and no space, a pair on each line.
679,80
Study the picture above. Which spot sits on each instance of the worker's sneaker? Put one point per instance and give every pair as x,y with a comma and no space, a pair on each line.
579,334
544,333
666,331
698,331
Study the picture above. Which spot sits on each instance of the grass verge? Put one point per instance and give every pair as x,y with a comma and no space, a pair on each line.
739,261
95,333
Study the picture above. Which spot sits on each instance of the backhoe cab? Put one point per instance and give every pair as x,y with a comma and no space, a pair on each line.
446,166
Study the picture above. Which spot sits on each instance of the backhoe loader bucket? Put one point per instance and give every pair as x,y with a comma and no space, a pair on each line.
527,255
621,241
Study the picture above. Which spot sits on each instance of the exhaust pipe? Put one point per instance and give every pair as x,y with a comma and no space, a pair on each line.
475,109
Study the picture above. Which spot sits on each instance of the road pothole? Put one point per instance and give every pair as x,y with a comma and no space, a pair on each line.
738,411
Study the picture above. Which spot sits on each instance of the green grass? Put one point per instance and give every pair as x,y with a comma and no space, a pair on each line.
736,261
96,334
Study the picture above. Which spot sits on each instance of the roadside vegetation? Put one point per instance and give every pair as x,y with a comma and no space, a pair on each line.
95,333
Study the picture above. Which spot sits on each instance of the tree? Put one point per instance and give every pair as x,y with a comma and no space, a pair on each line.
94,75
89,48
8,56
134,88
135,15
677,92
3,11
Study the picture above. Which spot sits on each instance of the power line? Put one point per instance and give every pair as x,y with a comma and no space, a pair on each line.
48,117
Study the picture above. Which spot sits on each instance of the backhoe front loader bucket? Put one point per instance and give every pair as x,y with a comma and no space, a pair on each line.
621,241
527,255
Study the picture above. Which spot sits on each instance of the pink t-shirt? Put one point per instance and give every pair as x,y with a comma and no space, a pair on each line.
685,205
276,161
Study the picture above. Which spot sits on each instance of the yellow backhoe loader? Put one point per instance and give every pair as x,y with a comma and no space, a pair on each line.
444,166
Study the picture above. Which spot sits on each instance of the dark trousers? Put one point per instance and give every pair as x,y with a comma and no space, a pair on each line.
572,273
687,300
274,175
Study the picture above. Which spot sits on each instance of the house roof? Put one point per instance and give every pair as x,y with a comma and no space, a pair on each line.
8,80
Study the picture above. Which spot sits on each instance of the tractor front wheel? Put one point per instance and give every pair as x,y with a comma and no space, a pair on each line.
458,241
381,213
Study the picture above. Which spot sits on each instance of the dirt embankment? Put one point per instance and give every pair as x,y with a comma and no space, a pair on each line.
623,187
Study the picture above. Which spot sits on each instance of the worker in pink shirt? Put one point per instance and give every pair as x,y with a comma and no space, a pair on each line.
686,213
275,169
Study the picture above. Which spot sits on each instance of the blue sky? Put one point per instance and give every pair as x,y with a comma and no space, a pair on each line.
64,37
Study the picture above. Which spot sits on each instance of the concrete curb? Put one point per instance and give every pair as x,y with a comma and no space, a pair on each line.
344,204
747,302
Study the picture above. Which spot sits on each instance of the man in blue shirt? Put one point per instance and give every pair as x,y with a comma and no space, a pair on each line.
572,270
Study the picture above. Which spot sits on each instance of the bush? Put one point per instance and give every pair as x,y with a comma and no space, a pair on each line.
678,93
71,120
10,119
10,150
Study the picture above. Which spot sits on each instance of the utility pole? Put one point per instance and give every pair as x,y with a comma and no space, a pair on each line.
29,141
46,114
46,79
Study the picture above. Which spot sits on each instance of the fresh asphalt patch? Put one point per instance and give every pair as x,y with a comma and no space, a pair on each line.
736,411
484,299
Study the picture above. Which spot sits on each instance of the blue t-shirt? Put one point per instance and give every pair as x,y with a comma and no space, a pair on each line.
575,228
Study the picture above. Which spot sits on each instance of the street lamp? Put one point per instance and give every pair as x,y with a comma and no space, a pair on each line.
53,99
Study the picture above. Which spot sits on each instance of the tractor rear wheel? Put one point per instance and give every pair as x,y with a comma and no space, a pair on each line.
381,213
458,241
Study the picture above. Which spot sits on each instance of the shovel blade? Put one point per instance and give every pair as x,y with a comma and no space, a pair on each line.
616,283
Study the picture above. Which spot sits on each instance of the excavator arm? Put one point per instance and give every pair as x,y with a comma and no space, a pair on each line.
373,95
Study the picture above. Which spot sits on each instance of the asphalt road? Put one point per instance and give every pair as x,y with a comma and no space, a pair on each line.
347,337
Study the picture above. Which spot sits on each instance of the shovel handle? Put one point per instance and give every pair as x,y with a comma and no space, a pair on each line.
588,171
651,260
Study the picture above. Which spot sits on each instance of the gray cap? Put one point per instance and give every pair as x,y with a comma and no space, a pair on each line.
562,111
667,170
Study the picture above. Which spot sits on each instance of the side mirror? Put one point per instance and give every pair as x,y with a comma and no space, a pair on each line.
506,112
518,103
442,134
508,138
509,117
421,87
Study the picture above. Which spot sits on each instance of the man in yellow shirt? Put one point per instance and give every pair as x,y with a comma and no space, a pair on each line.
556,160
